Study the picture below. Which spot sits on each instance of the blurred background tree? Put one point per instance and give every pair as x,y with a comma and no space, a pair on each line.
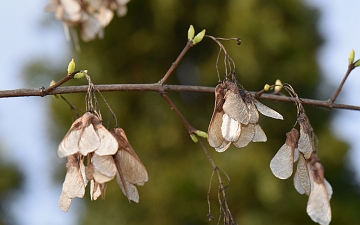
279,41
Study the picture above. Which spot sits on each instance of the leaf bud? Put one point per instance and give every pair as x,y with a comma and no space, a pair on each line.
278,86
351,56
52,83
191,33
199,37
194,138
71,67
201,133
266,87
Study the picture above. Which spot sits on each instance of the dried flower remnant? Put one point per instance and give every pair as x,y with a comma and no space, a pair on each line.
282,163
74,184
235,118
130,170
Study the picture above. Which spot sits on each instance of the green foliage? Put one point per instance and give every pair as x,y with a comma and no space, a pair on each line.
279,41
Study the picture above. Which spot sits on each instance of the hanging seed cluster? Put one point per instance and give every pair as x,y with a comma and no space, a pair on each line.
235,118
108,154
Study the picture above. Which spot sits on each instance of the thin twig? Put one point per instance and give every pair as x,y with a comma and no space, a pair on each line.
189,44
350,68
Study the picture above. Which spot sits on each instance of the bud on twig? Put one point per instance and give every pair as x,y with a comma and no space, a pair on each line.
191,33
71,67
194,138
351,56
199,37
201,133
278,86
266,87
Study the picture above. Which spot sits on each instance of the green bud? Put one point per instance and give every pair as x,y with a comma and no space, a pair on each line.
194,138
199,37
201,133
191,33
266,87
351,56
52,83
71,67
278,86
79,75
357,63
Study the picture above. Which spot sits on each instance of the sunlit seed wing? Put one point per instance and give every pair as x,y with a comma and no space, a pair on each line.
304,144
108,144
234,105
303,174
253,112
89,140
71,11
101,178
318,207
230,128
215,137
282,163
104,165
73,185
296,154
246,135
266,111
69,144
127,161
225,145
297,183
64,202
95,191
83,173
260,135
131,192
329,189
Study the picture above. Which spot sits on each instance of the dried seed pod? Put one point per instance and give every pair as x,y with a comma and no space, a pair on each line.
281,164
266,111
246,135
129,167
215,137
80,138
318,206
302,181
234,105
73,185
108,144
305,143
104,168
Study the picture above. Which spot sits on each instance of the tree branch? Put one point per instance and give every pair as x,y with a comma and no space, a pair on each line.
156,87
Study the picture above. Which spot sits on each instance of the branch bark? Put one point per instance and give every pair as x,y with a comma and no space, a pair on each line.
156,87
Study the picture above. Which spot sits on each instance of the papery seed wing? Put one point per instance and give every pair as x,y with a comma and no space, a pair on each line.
108,144
127,161
304,144
253,113
246,135
69,144
225,145
73,185
104,168
64,202
329,189
296,154
128,189
282,163
303,174
215,137
260,135
95,191
230,128
266,111
89,140
83,172
318,207
297,183
234,105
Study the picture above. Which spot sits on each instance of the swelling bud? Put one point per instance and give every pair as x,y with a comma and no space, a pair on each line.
199,37
71,67
191,33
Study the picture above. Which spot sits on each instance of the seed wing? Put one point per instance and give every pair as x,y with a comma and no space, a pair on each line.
282,163
246,135
230,128
129,190
260,135
215,137
64,202
266,111
234,105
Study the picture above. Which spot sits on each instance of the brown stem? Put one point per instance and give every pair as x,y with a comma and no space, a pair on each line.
350,68
165,87
190,129
59,83
189,44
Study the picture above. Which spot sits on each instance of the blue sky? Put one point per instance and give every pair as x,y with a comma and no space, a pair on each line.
24,124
